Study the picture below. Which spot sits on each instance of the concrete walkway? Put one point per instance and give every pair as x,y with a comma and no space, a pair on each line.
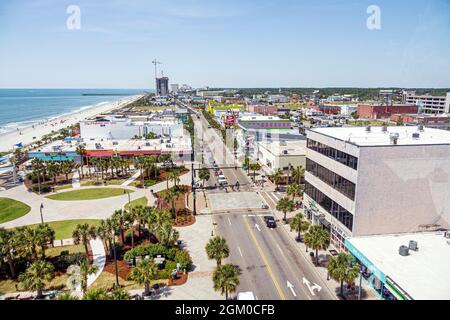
131,179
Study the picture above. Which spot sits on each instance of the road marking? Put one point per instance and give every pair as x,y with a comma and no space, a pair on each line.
229,221
279,248
291,287
240,252
257,227
263,257
312,288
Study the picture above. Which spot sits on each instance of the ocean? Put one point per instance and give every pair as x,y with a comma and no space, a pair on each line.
21,108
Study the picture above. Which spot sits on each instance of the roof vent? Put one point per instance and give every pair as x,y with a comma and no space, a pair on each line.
403,251
384,129
447,234
368,128
394,137
416,135
413,245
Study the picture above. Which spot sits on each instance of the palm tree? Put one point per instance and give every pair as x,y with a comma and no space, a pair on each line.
317,238
277,177
140,165
8,248
167,235
54,170
119,294
36,275
97,294
343,268
294,190
204,175
144,273
119,219
81,150
174,176
104,232
299,224
27,240
226,279
66,168
255,167
79,274
38,168
140,215
130,219
83,233
217,249
298,174
45,236
285,205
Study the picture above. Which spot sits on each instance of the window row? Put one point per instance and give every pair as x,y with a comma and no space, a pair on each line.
344,186
339,156
341,214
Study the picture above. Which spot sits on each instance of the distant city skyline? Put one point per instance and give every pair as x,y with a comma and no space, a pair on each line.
232,44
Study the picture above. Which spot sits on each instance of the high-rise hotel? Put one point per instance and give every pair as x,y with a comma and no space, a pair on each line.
380,180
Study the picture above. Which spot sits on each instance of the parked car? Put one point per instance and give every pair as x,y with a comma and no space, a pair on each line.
270,222
222,180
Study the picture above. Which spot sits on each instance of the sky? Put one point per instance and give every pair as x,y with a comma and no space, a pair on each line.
233,43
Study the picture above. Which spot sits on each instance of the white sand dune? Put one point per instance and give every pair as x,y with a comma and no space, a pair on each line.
29,135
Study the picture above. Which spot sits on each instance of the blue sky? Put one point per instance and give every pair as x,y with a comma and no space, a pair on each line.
233,43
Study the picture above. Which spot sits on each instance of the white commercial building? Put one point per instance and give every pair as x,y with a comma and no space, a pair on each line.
428,103
417,271
274,155
381,180
115,127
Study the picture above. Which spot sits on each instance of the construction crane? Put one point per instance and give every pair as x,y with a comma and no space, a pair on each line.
156,62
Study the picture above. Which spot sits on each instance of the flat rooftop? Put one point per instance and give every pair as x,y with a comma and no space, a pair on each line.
58,146
376,137
172,145
423,274
262,118
292,147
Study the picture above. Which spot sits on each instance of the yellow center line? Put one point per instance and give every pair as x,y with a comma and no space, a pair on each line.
261,253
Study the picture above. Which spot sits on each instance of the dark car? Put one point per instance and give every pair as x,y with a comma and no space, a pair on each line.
270,222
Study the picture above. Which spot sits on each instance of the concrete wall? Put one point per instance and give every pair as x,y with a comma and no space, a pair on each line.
400,188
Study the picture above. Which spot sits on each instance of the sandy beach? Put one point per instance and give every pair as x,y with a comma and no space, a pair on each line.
34,133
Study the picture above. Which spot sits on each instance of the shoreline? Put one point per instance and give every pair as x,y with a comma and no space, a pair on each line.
25,135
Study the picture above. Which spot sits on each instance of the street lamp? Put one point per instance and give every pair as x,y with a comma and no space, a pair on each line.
115,258
40,209
129,200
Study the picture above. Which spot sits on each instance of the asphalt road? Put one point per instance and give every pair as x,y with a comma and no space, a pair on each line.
271,263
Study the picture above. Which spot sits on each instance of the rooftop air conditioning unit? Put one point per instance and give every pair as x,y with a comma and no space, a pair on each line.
403,251
416,135
147,144
413,245
394,137
447,234
115,143
368,129
421,129
285,152
384,129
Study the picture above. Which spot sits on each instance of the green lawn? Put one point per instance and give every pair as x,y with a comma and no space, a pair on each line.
64,229
138,202
11,209
114,182
64,187
88,194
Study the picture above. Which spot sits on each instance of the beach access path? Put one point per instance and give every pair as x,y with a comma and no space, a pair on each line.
32,134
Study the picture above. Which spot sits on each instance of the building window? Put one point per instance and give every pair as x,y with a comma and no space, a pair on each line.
334,180
341,214
337,155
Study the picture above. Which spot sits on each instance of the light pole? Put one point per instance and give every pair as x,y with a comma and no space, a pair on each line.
115,258
40,209
129,200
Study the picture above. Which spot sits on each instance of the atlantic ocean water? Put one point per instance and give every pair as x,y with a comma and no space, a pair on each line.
20,108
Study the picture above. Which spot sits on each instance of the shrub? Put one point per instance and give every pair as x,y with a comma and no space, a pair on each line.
45,188
184,259
64,261
170,265
151,250
163,274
